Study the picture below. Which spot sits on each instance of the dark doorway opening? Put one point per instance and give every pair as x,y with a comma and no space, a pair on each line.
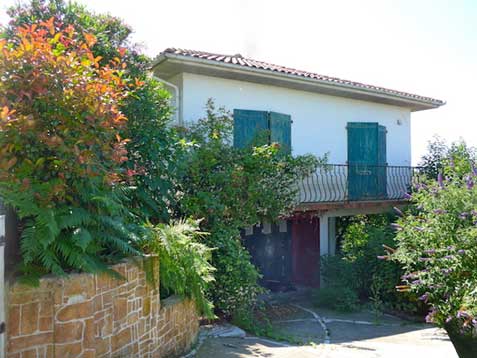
271,253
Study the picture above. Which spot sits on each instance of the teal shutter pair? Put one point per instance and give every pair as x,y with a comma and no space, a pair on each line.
367,177
262,127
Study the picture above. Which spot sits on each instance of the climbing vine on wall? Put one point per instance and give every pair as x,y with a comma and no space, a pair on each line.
231,189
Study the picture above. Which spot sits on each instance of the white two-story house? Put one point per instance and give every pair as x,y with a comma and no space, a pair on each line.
365,129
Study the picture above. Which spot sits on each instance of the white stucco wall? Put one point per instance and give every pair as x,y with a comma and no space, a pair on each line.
319,121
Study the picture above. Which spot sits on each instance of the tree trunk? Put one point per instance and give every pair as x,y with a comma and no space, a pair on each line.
465,343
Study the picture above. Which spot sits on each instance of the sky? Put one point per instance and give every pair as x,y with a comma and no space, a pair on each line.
419,46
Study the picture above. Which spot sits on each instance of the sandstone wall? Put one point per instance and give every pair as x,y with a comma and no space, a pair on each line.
89,316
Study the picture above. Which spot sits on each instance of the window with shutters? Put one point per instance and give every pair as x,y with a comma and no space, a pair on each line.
262,127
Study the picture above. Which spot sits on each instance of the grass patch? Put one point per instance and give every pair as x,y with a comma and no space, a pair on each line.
259,323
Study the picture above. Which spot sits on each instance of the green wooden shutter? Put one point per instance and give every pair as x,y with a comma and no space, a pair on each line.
362,143
367,161
248,125
362,160
382,145
261,127
280,130
382,163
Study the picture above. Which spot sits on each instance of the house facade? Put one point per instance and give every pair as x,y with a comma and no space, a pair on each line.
364,129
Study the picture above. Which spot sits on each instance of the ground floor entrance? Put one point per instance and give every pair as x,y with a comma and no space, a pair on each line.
287,254
305,243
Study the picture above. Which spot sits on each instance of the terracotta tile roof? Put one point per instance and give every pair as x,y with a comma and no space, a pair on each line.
239,60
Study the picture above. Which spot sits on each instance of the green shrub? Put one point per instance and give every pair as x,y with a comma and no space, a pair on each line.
362,244
152,143
235,287
340,298
184,261
62,152
336,270
357,267
436,247
457,158
154,151
86,179
231,189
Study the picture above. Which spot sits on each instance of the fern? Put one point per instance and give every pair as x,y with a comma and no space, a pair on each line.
73,217
184,261
58,238
65,157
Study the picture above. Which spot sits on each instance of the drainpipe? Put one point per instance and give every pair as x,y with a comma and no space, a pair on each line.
177,116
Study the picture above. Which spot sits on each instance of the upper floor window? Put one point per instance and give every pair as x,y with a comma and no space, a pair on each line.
262,127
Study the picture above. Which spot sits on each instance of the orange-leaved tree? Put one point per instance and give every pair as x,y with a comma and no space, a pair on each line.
60,148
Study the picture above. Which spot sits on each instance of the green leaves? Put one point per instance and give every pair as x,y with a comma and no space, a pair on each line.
61,134
154,151
437,245
357,267
82,238
231,189
184,261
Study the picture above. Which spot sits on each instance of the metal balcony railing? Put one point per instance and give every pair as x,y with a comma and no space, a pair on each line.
357,182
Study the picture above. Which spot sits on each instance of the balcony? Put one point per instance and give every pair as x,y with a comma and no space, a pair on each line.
335,183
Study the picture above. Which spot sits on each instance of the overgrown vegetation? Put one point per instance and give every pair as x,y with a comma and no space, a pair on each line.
357,270
146,105
337,297
96,172
61,148
436,247
231,189
184,261
447,181
442,157
88,150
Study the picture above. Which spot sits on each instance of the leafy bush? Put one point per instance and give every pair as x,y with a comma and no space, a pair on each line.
100,213
362,244
184,261
61,148
152,143
436,246
357,266
340,298
235,287
457,156
231,189
335,270
154,151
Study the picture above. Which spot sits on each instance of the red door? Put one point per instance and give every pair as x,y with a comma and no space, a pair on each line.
306,252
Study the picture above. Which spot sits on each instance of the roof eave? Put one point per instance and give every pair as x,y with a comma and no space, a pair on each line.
339,89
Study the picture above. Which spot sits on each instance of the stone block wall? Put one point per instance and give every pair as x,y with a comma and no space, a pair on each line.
93,316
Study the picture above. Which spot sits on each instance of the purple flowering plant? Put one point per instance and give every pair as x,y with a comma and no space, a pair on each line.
437,247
